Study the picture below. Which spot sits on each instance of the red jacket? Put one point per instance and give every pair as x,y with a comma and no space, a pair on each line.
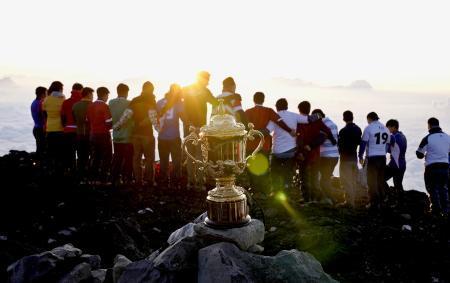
99,118
260,116
312,135
66,112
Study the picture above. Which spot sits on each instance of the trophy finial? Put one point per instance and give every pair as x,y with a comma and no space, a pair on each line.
221,108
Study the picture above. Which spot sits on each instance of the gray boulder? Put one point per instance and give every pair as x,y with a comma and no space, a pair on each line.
33,268
67,251
93,260
79,273
120,263
185,231
200,218
98,276
180,256
144,271
226,263
243,237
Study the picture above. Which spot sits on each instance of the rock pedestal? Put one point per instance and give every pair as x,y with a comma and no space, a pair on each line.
198,253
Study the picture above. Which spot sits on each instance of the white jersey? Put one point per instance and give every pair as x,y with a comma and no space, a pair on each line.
435,147
376,136
282,141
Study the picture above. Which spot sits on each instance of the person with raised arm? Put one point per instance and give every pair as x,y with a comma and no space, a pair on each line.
142,111
170,110
435,148
260,116
195,99
122,165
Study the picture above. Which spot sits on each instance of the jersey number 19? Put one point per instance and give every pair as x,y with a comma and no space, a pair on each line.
381,138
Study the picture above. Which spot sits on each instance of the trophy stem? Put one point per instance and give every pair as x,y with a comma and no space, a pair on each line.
227,205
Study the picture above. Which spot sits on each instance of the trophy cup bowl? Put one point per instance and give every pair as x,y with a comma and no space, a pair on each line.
223,156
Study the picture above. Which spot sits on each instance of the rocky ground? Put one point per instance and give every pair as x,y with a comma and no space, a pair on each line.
403,244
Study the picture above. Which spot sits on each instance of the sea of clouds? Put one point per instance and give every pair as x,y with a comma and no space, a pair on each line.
411,109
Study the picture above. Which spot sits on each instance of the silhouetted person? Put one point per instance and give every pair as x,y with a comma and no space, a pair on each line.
232,101
55,139
39,121
348,142
284,146
170,110
329,156
195,99
260,116
310,137
397,148
122,165
376,138
100,123
435,148
142,110
79,111
70,128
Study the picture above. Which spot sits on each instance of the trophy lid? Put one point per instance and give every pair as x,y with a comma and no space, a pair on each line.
222,125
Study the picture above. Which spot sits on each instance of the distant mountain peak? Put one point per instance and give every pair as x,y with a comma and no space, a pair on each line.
7,82
360,84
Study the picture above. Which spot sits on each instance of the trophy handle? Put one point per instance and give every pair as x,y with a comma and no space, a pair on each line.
250,136
194,140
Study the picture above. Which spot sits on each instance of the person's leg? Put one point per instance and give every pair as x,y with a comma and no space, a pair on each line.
67,152
381,165
398,180
327,165
176,160
442,187
149,154
39,136
306,171
69,157
276,173
388,174
60,151
190,165
137,158
95,157
106,150
127,162
51,144
353,184
164,151
347,174
117,161
83,156
372,183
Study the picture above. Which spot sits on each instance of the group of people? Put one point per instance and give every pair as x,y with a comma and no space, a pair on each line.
73,136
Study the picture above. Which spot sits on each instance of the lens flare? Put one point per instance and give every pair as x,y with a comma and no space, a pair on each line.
259,165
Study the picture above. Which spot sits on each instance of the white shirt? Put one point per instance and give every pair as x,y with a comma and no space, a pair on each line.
376,135
435,147
282,141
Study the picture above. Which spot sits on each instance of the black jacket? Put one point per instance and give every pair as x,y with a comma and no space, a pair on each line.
349,139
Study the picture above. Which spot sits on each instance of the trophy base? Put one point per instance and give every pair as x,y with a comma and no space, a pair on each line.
227,207
214,225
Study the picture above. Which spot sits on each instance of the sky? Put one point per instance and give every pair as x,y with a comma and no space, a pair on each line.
395,45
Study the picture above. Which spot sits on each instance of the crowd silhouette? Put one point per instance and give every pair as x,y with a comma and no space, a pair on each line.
73,138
